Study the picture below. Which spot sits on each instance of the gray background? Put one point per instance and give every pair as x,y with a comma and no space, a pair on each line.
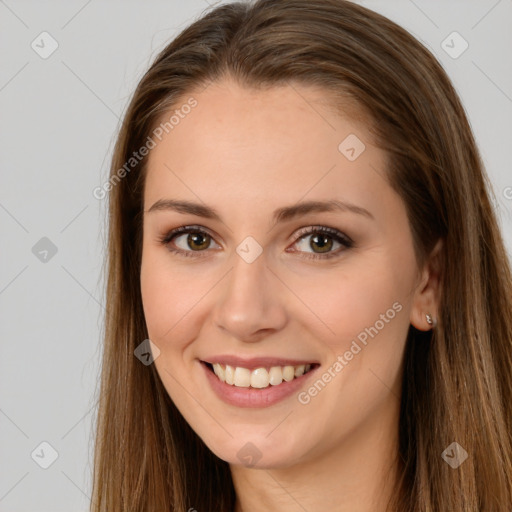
59,117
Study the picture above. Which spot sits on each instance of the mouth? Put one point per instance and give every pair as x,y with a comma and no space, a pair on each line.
258,378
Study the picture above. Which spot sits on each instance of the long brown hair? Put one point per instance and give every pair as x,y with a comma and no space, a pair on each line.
457,383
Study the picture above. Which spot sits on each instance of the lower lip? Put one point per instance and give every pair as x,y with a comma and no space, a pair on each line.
253,397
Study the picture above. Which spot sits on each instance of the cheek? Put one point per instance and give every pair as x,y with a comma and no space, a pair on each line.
165,294
157,298
366,314
349,301
174,298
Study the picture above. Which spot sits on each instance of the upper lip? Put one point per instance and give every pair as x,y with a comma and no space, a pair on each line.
256,362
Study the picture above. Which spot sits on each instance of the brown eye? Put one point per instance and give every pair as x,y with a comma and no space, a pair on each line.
198,240
194,241
188,241
191,241
323,242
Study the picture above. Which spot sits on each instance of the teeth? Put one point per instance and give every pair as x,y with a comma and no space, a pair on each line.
288,373
230,374
260,377
299,370
220,372
242,377
275,375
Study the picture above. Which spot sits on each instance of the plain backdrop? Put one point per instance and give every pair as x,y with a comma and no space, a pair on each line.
59,114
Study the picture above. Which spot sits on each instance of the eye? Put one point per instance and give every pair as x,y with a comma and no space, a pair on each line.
195,240
322,239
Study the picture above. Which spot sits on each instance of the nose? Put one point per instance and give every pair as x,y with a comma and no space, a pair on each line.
250,304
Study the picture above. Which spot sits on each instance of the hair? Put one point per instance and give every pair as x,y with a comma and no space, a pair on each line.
457,382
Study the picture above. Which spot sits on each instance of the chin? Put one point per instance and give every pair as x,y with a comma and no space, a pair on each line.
260,451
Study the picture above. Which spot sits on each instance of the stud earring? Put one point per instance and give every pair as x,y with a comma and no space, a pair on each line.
429,318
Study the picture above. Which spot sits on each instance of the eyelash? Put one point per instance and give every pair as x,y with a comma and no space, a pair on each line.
338,236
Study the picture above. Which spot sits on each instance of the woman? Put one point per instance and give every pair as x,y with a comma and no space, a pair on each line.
301,225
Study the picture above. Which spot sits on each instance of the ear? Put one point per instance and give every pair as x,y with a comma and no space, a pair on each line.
427,292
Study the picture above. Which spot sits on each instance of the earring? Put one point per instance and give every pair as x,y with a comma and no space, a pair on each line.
429,318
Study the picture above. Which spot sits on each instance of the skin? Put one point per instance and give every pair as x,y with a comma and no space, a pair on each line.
246,153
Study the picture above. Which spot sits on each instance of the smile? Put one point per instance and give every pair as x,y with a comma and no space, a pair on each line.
259,378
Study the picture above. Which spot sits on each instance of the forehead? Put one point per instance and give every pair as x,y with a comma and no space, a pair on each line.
261,145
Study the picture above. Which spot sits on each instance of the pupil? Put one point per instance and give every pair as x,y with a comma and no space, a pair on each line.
325,242
194,237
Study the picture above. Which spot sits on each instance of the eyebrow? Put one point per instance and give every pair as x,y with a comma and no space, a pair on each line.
283,214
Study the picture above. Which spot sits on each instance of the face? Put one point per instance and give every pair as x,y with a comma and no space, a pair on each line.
264,283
